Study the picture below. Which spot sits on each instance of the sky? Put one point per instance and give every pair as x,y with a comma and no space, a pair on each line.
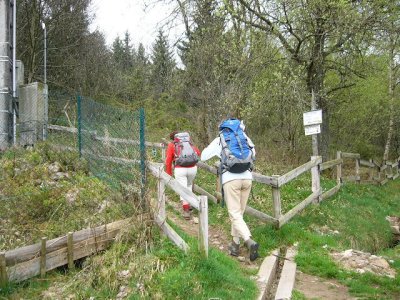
115,17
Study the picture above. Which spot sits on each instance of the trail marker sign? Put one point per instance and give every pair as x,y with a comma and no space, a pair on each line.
312,121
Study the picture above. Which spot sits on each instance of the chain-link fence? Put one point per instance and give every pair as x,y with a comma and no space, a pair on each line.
111,139
42,185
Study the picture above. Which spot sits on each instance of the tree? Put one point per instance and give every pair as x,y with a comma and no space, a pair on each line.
163,65
312,34
389,37
123,52
67,30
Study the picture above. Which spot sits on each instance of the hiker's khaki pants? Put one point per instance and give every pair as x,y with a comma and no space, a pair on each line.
236,195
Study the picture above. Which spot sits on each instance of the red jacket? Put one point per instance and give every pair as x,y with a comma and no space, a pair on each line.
170,158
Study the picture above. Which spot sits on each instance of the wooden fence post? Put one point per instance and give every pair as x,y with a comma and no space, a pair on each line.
339,169
276,197
203,225
316,180
371,171
43,257
218,188
358,179
3,270
161,214
70,249
163,152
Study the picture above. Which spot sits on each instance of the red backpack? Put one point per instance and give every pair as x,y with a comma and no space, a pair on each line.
185,154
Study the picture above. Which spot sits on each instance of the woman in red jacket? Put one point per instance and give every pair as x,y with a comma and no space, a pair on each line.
184,173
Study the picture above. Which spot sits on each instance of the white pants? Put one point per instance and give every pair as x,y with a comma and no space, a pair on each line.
236,194
185,176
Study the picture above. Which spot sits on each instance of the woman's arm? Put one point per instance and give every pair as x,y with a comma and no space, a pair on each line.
170,155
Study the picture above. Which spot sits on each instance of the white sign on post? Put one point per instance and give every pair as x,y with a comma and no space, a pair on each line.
312,117
312,129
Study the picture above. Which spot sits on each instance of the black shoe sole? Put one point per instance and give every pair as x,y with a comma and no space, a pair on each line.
253,252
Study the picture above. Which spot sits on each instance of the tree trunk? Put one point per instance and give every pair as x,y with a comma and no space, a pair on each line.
391,106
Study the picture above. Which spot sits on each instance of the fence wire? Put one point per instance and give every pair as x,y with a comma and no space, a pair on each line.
112,141
110,138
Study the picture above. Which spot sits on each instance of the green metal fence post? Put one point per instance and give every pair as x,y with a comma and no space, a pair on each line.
142,155
79,100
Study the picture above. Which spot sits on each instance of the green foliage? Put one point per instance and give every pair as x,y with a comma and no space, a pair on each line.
41,187
358,214
195,277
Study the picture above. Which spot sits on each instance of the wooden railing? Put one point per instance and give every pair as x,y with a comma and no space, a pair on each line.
198,202
29,261
26,262
383,172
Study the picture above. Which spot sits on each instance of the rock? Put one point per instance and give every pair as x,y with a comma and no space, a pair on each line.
395,229
103,206
380,263
241,258
195,220
348,253
362,262
125,274
71,195
54,167
123,292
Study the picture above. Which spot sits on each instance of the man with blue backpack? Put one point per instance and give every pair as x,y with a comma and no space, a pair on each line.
237,154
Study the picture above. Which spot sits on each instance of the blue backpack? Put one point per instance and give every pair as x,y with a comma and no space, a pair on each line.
236,156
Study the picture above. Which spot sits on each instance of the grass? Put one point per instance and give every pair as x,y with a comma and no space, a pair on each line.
159,270
358,213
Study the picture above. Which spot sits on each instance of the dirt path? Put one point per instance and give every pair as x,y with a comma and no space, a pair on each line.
314,287
217,237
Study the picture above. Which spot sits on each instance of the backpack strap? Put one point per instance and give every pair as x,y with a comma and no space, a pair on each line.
239,142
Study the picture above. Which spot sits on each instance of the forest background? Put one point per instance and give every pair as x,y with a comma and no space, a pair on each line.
261,60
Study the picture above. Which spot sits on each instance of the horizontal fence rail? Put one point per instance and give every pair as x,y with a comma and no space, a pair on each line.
29,261
199,203
384,172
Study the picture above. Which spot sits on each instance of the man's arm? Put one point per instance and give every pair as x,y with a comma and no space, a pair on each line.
214,149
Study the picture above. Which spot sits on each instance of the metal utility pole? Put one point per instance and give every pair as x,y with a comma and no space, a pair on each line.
14,70
5,73
45,121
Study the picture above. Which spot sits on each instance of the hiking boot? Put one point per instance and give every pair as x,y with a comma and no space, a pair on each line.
253,249
233,249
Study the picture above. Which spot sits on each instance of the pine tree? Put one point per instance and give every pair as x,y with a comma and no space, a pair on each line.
163,65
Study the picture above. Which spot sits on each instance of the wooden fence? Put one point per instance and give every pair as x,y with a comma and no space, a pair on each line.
26,262
377,173
29,261
200,203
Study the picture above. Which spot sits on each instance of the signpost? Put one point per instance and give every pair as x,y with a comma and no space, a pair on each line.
312,121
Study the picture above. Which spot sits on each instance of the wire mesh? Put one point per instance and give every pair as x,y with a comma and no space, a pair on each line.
109,138
42,184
